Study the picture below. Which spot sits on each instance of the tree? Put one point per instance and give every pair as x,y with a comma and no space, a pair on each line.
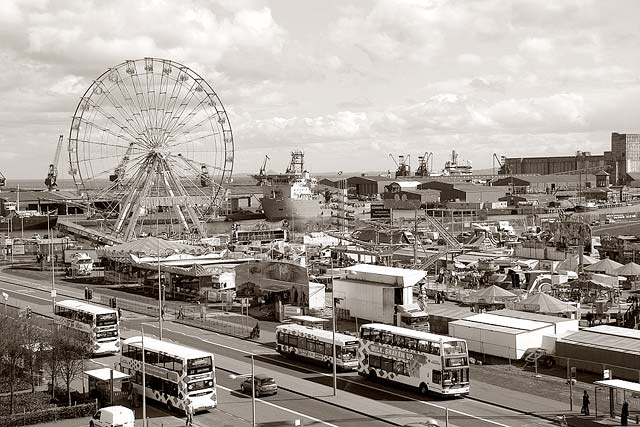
13,350
53,340
33,343
71,354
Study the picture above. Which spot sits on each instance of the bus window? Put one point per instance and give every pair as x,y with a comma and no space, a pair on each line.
302,343
293,341
423,345
387,365
374,361
398,340
435,348
398,368
349,353
437,377
455,347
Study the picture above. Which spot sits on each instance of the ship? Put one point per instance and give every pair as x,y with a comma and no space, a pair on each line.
27,220
453,168
289,196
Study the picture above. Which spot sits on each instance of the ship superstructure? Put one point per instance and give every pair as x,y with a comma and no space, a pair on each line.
289,195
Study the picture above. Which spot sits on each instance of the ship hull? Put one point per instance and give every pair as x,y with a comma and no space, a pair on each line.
296,209
28,222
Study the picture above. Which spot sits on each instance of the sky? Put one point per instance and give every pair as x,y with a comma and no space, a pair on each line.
349,82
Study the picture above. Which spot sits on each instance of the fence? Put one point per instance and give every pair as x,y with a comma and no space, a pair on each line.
48,415
133,306
197,316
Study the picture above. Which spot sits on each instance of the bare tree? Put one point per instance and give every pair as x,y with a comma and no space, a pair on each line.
72,351
33,343
53,340
13,349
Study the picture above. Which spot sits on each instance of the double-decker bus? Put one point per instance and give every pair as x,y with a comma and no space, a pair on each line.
317,344
174,373
429,362
100,324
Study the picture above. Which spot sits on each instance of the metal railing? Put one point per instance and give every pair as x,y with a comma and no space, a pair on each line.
200,316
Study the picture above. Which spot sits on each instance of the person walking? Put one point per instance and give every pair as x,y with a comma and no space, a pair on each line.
180,313
585,403
624,415
189,411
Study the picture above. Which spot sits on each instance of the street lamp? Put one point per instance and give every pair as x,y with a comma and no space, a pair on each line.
53,267
253,390
333,338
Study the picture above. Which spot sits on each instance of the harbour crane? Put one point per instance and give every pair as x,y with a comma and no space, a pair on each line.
263,168
3,180
52,174
423,164
404,169
200,168
118,172
505,169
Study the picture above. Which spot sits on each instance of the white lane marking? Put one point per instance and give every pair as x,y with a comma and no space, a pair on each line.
99,363
284,409
464,414
25,295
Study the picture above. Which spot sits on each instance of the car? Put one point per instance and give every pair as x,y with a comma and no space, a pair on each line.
265,385
113,416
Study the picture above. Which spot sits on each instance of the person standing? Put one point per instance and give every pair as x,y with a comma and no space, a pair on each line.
189,411
624,415
585,403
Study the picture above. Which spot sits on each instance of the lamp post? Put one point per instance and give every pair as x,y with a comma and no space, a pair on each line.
333,343
53,267
144,380
253,389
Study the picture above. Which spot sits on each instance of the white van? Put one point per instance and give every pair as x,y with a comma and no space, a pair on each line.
113,416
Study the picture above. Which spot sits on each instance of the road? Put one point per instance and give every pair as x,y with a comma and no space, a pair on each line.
305,390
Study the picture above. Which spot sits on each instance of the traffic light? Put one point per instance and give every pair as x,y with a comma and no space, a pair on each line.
89,293
86,293
113,302
28,312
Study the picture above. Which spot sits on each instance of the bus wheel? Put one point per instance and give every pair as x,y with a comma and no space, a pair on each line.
424,389
373,376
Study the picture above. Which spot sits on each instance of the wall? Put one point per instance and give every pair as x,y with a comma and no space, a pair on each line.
364,301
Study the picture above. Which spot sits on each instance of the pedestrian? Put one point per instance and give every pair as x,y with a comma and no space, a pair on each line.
189,411
590,318
119,314
180,313
162,311
624,415
585,403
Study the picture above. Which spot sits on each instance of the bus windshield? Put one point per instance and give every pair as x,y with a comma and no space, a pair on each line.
349,351
199,366
455,347
415,320
106,319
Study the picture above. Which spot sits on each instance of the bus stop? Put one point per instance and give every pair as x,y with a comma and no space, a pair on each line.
108,385
619,392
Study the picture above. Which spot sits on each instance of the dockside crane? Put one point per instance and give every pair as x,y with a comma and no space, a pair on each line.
404,169
263,168
3,180
118,172
424,168
52,174
505,169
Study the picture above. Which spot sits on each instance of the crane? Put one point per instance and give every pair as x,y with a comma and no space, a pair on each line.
52,174
505,169
423,164
3,180
203,171
404,169
118,172
263,168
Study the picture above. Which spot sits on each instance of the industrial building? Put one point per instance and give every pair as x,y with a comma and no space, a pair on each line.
547,184
622,162
463,192
410,200
368,185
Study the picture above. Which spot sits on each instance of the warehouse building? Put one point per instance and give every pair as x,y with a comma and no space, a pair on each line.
410,200
368,185
602,347
545,184
463,192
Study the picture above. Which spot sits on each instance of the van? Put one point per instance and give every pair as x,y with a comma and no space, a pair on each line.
113,416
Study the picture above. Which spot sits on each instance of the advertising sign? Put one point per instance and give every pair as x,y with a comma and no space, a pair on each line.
380,212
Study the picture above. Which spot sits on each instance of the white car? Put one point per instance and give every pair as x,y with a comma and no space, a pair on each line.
113,416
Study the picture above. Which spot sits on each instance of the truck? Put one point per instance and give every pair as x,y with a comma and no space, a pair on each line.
81,265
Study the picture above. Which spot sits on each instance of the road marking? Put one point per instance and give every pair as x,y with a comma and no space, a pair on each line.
283,408
25,295
455,411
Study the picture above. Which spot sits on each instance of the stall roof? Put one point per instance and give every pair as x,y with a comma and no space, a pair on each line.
507,322
591,338
621,384
531,316
617,331
487,327
104,374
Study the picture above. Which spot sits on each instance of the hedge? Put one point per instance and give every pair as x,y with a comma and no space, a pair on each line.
49,415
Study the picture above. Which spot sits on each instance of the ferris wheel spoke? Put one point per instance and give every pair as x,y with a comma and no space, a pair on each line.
207,119
188,117
171,103
121,136
109,95
151,93
134,108
112,119
177,116
107,144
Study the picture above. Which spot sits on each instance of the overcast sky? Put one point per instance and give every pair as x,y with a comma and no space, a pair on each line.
347,81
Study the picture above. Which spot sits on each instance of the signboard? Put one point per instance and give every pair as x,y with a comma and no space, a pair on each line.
380,212
606,374
18,249
292,310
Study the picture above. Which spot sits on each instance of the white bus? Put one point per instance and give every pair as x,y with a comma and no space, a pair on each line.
429,362
317,344
173,373
100,324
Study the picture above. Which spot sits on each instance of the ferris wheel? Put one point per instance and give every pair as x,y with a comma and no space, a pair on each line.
150,136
